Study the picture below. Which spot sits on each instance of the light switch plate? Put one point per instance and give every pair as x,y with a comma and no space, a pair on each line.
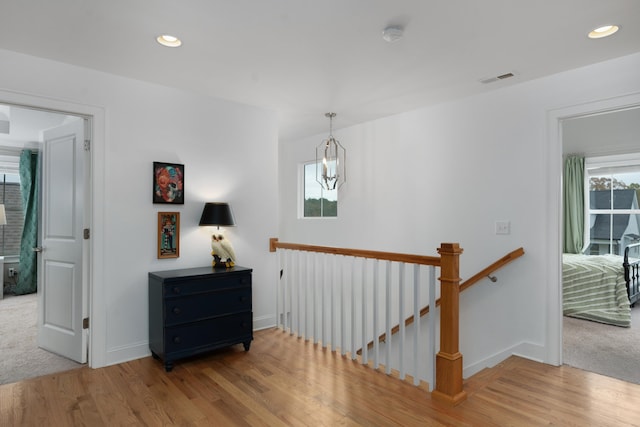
503,227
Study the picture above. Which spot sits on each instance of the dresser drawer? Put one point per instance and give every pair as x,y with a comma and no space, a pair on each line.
199,285
207,305
210,333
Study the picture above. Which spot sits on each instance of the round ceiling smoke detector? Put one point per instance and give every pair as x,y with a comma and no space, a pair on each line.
392,33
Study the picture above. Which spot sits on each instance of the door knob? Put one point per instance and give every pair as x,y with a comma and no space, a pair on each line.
37,249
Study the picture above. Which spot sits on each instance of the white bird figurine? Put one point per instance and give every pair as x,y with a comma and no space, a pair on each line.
222,251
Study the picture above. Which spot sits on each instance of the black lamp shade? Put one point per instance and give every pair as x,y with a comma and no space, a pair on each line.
217,214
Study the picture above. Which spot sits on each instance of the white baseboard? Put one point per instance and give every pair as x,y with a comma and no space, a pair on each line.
127,353
524,349
264,322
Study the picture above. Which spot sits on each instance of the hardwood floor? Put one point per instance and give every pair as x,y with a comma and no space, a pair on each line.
283,381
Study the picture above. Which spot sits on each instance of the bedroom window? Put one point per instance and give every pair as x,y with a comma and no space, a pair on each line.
613,209
316,201
11,198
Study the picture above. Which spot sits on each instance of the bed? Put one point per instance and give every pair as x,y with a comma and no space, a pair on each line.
632,273
601,288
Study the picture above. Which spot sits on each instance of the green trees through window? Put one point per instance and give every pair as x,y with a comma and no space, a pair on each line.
317,202
320,207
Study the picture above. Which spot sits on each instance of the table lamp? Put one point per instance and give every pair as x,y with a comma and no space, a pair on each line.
219,214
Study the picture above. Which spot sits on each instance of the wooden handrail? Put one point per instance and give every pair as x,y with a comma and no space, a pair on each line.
493,267
387,256
465,285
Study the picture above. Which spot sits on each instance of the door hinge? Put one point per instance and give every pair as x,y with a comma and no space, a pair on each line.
85,323
87,145
86,233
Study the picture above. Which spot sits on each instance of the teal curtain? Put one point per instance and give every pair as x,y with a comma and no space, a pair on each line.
573,198
29,179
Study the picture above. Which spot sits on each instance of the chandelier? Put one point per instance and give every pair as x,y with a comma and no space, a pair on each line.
331,160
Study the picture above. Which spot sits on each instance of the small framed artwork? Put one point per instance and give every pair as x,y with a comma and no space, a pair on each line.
168,183
168,234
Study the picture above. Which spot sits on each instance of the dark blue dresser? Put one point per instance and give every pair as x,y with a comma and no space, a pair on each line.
195,310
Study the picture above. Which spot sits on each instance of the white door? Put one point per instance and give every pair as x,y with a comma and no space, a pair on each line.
61,289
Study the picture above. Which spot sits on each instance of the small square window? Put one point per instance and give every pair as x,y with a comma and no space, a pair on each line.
316,201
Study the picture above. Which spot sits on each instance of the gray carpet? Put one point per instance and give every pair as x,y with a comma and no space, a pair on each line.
20,357
604,349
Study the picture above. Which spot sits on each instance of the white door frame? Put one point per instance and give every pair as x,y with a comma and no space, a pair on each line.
554,212
97,324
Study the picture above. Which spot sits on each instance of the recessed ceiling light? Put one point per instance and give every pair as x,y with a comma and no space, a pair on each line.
169,40
604,31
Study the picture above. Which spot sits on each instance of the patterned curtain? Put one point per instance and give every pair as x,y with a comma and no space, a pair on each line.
29,178
573,201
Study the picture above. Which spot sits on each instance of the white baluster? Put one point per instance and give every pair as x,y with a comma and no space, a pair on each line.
278,288
431,321
323,325
401,317
286,293
333,302
376,344
387,345
299,288
343,307
365,340
416,324
295,303
314,300
306,301
353,309
305,296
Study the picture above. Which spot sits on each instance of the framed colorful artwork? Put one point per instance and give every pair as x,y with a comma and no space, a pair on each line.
168,183
168,234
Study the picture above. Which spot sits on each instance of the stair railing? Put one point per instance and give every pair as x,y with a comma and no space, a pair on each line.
484,273
317,299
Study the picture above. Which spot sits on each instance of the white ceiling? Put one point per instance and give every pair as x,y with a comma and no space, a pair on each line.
303,58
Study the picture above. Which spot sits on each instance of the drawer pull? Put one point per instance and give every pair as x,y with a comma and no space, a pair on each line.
176,310
176,340
244,325
244,298
176,289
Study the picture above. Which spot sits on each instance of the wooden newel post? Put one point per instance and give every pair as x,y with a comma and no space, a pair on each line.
449,360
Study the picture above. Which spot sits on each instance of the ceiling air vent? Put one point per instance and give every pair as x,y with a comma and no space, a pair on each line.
505,76
497,78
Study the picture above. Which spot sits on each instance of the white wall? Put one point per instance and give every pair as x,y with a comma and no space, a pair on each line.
446,174
229,152
439,174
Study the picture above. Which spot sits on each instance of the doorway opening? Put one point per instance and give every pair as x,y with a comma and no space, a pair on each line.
23,131
608,129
